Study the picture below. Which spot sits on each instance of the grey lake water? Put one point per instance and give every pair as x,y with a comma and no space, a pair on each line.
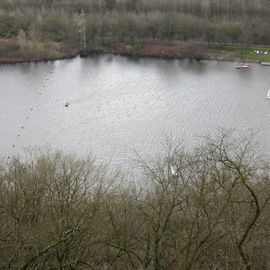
120,104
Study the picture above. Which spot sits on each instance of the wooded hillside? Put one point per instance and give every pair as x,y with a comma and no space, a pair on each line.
201,210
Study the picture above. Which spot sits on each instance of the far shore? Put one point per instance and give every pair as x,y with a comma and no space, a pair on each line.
18,60
168,49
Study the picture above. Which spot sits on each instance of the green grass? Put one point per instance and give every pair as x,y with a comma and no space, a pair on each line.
247,53
229,48
251,55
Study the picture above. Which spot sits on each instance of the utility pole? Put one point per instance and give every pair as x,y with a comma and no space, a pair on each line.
82,30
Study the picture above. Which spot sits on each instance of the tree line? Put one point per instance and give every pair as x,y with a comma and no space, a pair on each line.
201,209
54,24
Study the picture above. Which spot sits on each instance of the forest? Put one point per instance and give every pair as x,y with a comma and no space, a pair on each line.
191,210
35,29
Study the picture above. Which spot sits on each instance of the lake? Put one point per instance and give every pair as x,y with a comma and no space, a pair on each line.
119,104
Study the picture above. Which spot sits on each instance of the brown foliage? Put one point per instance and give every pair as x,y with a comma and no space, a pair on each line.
205,209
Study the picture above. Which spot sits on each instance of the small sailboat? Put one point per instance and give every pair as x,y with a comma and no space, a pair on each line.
268,94
243,66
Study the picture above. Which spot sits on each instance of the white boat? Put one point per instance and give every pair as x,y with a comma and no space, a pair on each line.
268,94
243,66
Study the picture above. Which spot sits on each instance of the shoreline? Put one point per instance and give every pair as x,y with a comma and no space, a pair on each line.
18,60
23,61
162,51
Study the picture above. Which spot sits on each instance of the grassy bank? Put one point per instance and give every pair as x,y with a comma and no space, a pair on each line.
240,52
13,51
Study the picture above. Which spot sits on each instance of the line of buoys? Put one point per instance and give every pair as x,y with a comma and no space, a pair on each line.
31,109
